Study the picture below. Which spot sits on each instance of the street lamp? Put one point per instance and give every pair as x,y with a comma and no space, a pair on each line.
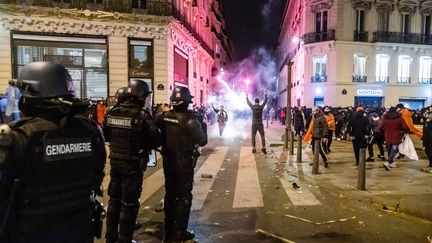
288,132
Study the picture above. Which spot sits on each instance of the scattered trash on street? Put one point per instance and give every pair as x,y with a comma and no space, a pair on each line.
295,186
319,223
206,176
260,231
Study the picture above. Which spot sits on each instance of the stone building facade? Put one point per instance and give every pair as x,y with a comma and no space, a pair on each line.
357,52
106,43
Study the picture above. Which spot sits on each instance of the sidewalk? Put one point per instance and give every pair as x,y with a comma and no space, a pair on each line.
405,189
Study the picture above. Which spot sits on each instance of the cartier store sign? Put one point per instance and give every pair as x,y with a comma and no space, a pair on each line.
139,73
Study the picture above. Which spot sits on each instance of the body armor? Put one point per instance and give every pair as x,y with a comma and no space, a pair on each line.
181,132
51,172
132,133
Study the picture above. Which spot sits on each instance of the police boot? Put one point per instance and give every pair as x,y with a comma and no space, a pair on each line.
127,222
112,221
183,236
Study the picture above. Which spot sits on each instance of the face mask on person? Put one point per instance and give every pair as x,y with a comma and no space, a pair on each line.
326,112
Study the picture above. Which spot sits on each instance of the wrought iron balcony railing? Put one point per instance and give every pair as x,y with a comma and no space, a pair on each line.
381,79
399,37
404,80
425,80
180,17
361,36
319,78
359,79
319,36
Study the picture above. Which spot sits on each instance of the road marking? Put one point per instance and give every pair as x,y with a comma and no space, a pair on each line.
210,167
248,189
301,197
152,184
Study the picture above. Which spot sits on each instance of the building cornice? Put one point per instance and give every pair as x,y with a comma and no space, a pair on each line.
83,14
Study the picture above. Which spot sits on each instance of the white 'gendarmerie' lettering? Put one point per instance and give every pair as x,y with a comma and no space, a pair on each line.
171,120
122,122
71,148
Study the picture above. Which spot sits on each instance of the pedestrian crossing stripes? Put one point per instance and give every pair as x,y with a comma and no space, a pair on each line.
248,189
152,184
248,193
300,197
210,168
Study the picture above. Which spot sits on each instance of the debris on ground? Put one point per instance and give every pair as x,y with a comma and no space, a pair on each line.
429,239
295,186
260,231
150,231
319,223
206,176
276,187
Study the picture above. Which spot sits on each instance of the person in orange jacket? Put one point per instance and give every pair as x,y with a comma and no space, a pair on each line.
331,128
406,116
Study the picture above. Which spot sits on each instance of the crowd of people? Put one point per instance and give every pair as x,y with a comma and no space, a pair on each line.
365,127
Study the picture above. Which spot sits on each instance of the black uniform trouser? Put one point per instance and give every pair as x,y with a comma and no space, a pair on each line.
358,143
326,146
71,233
339,130
258,126
377,138
428,150
323,155
124,191
179,174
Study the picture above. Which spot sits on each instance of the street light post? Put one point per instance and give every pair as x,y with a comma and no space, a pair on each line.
288,113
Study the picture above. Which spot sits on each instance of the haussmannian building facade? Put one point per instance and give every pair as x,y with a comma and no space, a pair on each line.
357,52
106,43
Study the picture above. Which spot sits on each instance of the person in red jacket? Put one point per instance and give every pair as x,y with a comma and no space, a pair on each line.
393,126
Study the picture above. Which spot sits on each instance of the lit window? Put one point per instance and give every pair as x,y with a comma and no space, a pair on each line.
320,65
359,65
425,69
404,62
381,71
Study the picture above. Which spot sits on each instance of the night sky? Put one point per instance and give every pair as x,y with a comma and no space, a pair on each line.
252,23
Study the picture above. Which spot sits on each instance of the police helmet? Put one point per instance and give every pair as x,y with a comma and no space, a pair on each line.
121,94
180,95
45,80
139,89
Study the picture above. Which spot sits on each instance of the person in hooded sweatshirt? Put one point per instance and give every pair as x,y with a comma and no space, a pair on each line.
358,130
376,137
393,125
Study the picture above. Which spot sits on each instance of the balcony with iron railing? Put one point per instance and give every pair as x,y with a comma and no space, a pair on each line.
319,36
382,79
360,36
404,80
319,78
184,21
397,37
359,79
425,80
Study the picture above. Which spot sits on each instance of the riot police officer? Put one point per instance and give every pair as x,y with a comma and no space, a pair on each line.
51,162
181,133
132,134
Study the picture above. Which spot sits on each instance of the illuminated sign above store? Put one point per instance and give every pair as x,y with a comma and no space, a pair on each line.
370,92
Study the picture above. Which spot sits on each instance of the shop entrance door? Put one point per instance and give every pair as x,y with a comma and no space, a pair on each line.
368,101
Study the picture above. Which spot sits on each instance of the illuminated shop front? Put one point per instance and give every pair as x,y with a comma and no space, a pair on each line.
85,58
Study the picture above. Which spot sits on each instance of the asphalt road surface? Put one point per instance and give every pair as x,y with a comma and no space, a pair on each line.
244,197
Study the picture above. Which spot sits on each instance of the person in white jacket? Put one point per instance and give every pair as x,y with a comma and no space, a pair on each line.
12,95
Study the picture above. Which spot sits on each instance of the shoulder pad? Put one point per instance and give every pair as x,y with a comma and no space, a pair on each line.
6,136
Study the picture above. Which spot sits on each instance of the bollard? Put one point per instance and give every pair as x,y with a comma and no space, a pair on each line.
299,149
361,182
291,143
317,147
